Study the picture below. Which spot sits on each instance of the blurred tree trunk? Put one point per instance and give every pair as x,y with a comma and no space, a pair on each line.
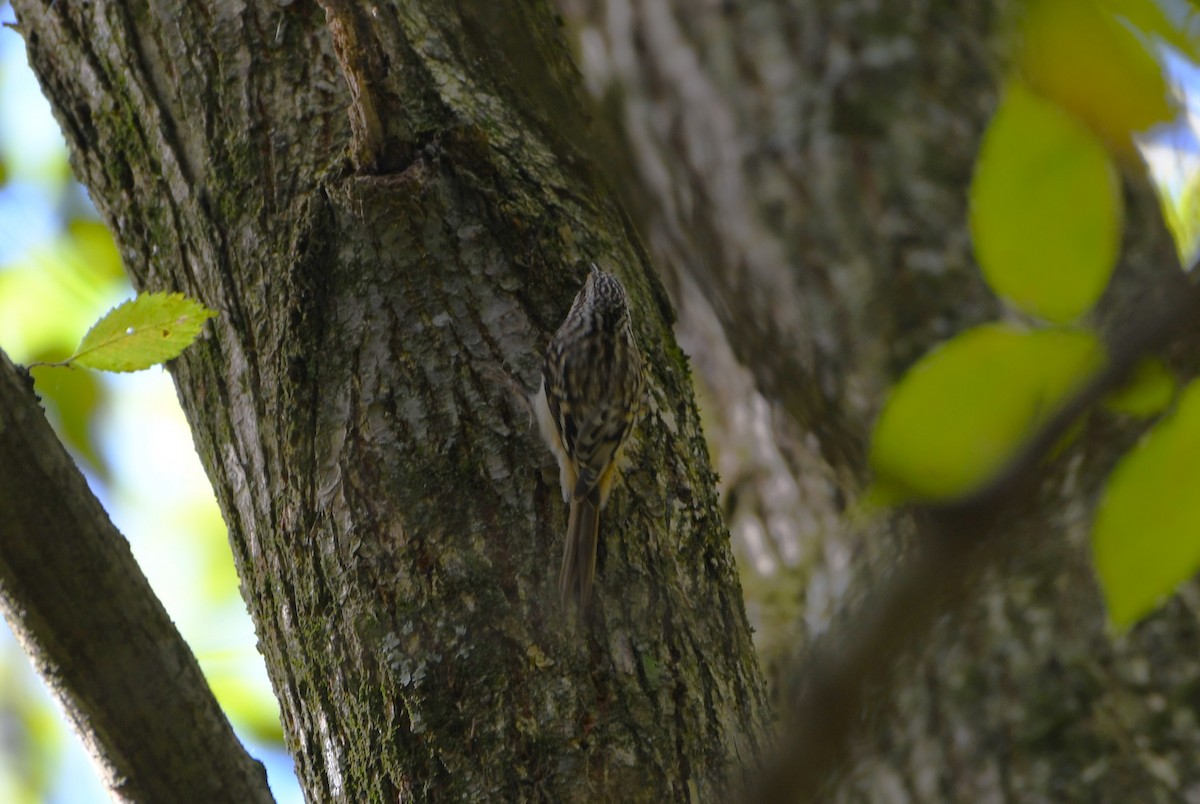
392,207
800,172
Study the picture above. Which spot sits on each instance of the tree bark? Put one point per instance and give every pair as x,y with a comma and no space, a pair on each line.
391,209
798,172
801,170
96,634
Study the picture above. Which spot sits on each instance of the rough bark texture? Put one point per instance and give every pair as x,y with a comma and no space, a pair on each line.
96,634
801,170
390,210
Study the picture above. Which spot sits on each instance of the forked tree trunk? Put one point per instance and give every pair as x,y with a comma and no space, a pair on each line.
391,207
802,168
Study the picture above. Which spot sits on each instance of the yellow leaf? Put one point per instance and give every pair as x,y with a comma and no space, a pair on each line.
1045,209
1146,539
1086,57
141,332
965,408
1147,393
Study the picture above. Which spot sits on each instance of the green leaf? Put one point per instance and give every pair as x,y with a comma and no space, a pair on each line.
1045,209
1146,538
1148,393
1091,58
142,332
965,408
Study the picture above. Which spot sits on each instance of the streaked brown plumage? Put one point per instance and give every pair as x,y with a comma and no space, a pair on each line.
589,398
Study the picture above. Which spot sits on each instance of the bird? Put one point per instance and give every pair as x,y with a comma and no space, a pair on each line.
586,408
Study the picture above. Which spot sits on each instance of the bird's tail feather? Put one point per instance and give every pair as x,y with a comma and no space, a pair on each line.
579,556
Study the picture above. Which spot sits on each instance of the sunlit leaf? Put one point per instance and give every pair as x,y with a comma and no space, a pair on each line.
966,407
1086,57
1146,538
1147,393
142,332
1045,209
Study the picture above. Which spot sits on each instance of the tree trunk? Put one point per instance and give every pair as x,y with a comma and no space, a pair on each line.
392,211
801,172
798,172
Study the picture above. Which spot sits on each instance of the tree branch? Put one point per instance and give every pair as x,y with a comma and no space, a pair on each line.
84,612
956,541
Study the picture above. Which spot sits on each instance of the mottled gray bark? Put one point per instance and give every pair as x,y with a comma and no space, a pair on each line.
392,207
802,170
96,634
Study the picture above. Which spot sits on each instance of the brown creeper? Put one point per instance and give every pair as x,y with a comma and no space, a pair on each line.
590,394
